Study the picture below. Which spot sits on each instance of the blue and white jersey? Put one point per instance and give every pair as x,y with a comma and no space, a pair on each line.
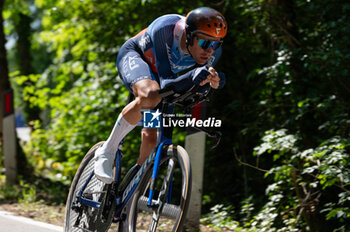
159,46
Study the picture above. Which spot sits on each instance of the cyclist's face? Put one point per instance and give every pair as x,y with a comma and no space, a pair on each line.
199,54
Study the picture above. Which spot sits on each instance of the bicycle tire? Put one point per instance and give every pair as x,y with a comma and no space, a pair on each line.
171,215
90,218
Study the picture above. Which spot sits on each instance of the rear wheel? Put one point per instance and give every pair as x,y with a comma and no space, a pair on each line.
80,217
171,197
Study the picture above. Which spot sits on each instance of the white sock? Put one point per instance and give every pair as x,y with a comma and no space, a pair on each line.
120,130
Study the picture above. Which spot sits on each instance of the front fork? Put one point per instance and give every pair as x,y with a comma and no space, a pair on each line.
155,175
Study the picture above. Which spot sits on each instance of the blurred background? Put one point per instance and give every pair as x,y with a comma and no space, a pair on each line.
283,163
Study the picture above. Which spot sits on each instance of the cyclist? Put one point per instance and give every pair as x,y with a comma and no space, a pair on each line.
151,61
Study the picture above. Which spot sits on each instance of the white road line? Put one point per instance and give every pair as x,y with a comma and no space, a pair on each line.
10,215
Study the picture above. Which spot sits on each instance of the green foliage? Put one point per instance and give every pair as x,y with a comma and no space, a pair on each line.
284,107
80,93
34,189
286,67
28,193
305,179
80,118
220,219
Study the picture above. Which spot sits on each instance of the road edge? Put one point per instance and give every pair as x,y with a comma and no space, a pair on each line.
30,221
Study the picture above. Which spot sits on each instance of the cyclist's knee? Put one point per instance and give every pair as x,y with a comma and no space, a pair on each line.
147,96
149,100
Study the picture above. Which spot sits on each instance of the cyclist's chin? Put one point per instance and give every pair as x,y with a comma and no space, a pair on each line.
201,60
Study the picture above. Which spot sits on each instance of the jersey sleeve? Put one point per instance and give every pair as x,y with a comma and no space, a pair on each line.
162,41
161,32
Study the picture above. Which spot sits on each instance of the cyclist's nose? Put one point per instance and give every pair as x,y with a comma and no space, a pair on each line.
210,50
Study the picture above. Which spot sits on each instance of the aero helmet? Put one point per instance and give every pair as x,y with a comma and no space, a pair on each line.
207,21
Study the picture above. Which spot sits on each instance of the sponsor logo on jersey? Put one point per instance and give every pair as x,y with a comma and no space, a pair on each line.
132,62
175,68
145,39
211,61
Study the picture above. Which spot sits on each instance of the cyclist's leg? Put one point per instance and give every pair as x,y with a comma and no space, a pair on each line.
149,137
139,79
106,153
146,98
149,141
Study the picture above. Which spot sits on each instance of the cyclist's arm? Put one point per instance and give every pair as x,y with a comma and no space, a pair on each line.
162,37
187,80
216,79
162,40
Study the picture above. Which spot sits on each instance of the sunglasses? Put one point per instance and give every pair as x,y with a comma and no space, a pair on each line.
206,44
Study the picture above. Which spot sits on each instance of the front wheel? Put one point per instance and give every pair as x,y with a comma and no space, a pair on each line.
171,196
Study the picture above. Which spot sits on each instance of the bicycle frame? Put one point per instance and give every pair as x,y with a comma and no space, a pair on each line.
116,203
129,191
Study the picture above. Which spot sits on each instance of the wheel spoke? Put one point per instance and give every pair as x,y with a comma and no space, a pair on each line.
165,187
80,216
162,196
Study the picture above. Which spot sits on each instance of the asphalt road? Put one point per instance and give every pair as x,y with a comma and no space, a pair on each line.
11,223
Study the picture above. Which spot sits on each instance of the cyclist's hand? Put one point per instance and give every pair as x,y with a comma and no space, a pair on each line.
200,75
222,80
215,79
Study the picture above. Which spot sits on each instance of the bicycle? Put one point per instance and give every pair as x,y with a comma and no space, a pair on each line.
93,206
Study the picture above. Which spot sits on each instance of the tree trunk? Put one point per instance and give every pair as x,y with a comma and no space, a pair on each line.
23,166
4,78
24,59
